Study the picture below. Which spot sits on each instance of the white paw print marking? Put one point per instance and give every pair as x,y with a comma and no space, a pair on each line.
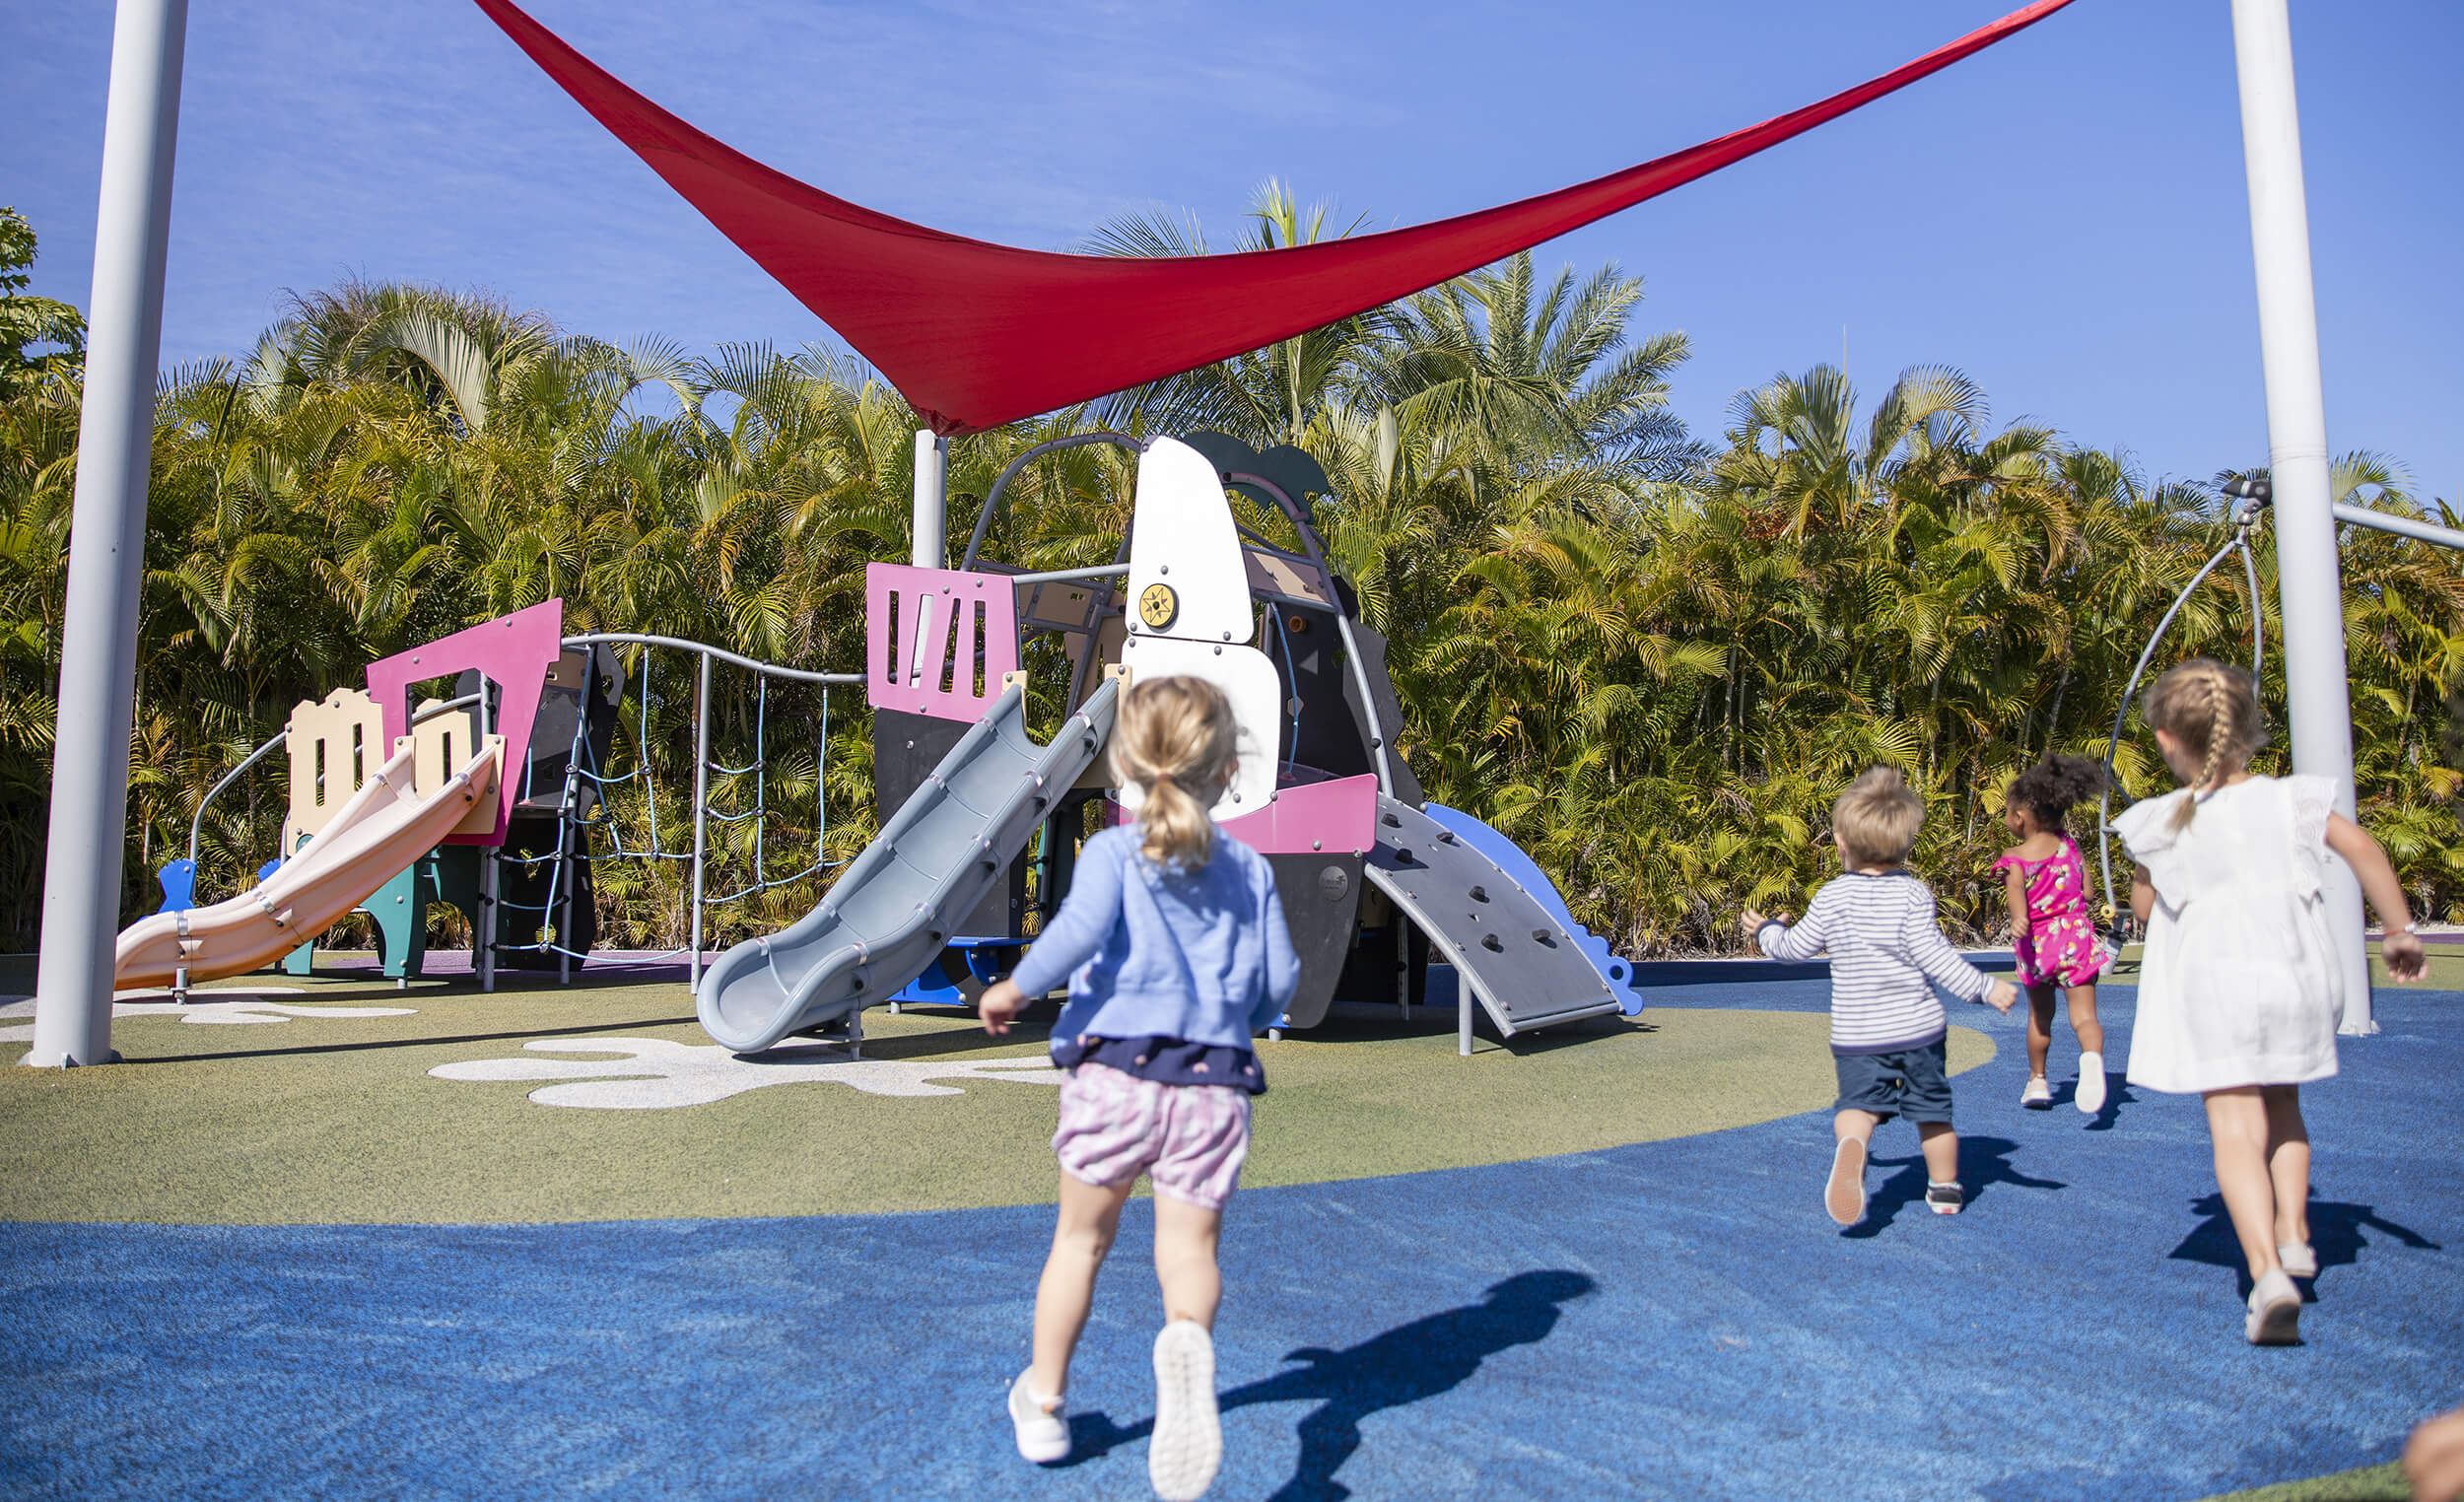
655,1074
206,1013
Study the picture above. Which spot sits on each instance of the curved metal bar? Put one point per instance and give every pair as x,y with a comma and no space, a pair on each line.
2121,713
1300,524
992,498
196,824
1378,735
774,670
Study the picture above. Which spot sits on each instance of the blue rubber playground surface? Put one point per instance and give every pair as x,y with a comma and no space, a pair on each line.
1669,1319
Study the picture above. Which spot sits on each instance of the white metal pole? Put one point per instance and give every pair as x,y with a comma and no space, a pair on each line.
81,894
701,820
933,474
2309,590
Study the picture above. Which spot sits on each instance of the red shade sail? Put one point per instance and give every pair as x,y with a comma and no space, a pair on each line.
974,334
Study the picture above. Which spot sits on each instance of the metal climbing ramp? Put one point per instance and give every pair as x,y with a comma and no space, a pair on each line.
887,917
1511,951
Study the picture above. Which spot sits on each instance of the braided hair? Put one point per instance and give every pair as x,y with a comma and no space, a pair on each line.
2049,788
2212,710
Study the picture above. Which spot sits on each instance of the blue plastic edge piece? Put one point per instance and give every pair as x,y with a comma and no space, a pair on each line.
180,886
1616,972
933,988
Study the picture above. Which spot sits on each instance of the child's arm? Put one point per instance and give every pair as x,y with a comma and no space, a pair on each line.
1069,940
1776,939
2405,960
2014,893
2143,895
1933,954
1283,964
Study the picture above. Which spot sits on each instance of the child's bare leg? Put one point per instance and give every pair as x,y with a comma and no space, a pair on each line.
1186,1237
1090,1216
2082,999
2288,1163
1856,1125
1942,1151
2237,1123
2039,1029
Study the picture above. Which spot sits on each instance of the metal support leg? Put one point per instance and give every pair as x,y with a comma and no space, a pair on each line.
1462,1014
88,831
484,930
701,819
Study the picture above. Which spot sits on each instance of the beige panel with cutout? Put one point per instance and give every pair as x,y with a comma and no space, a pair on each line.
443,745
334,746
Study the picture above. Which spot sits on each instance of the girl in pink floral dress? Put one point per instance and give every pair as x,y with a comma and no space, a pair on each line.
2046,880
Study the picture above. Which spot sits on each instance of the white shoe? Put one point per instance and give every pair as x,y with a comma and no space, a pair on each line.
1043,1437
2090,1096
2275,1312
1188,1446
2299,1260
2038,1096
1844,1196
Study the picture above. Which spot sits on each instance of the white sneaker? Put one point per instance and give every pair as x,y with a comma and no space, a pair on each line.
1188,1446
2091,1097
2038,1096
1043,1437
2275,1312
2299,1260
1844,1196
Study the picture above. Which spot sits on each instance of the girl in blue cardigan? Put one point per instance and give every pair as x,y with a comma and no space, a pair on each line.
1173,944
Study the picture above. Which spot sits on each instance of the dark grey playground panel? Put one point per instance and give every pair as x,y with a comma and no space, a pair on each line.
888,917
1521,963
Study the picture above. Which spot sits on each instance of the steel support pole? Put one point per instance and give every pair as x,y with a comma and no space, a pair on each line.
2309,590
701,819
932,477
88,836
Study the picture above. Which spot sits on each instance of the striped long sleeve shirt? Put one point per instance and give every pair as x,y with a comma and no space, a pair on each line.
1884,945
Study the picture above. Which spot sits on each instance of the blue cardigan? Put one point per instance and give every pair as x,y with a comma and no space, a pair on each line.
1203,955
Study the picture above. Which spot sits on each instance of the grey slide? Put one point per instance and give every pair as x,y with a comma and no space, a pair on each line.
888,916
1519,960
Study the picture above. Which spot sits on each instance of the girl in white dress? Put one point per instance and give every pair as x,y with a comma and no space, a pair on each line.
2239,990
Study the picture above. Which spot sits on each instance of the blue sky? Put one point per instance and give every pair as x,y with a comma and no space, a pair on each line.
2062,217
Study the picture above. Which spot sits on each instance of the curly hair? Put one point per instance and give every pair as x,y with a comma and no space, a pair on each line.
2049,788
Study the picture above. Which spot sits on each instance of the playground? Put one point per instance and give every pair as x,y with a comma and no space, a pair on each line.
479,1243
565,1055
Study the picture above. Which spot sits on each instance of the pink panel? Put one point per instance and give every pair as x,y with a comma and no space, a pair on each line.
968,624
514,651
1340,815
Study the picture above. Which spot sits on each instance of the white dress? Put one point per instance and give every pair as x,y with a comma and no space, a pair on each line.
2240,985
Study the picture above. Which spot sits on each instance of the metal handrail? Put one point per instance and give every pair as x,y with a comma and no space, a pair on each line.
774,670
992,497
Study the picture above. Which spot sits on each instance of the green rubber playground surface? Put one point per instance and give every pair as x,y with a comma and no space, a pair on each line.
308,1117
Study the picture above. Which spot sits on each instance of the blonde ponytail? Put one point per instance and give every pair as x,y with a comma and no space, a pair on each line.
1175,738
2213,709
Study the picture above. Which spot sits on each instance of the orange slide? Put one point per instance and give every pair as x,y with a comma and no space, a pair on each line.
384,827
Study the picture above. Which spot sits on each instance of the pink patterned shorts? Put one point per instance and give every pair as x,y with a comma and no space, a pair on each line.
1189,1140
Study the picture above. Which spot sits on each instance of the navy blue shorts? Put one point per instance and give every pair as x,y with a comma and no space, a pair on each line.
1910,1083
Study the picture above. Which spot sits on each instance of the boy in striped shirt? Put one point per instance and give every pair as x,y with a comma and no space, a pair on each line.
1887,1030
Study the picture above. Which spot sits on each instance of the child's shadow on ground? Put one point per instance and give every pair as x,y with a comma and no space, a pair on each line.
2335,1235
1983,1161
1399,1366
